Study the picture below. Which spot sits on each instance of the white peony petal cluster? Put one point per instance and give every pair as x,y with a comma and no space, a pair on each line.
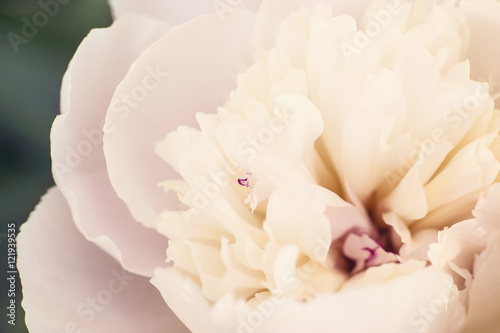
274,166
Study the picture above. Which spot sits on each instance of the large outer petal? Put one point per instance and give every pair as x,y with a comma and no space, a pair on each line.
61,272
79,167
202,59
423,301
179,11
483,18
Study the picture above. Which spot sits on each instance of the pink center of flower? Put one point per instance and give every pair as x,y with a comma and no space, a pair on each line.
365,252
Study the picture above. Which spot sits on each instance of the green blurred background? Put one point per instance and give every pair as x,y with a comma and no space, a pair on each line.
30,81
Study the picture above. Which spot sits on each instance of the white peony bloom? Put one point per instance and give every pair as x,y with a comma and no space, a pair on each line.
274,166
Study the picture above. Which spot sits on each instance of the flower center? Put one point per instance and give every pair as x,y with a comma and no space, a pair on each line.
366,252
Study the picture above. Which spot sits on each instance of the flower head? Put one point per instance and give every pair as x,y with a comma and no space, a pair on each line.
351,158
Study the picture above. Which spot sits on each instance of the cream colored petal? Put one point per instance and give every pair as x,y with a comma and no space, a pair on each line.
184,297
430,303
419,245
382,274
484,306
430,292
272,12
487,210
311,217
408,199
471,169
482,17
458,245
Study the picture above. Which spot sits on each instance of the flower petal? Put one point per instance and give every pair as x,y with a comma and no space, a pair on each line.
181,293
79,167
482,18
458,245
428,289
311,217
484,309
272,12
178,12
434,306
69,284
190,70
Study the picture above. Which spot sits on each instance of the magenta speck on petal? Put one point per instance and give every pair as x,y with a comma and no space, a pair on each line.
245,181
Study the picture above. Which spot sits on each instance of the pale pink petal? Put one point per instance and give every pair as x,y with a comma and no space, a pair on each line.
484,50
190,70
484,295
176,12
69,284
79,166
272,12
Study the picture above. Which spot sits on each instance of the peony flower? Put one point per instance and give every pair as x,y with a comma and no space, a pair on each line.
283,166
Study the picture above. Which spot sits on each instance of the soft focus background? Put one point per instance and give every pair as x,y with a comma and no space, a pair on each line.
30,80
